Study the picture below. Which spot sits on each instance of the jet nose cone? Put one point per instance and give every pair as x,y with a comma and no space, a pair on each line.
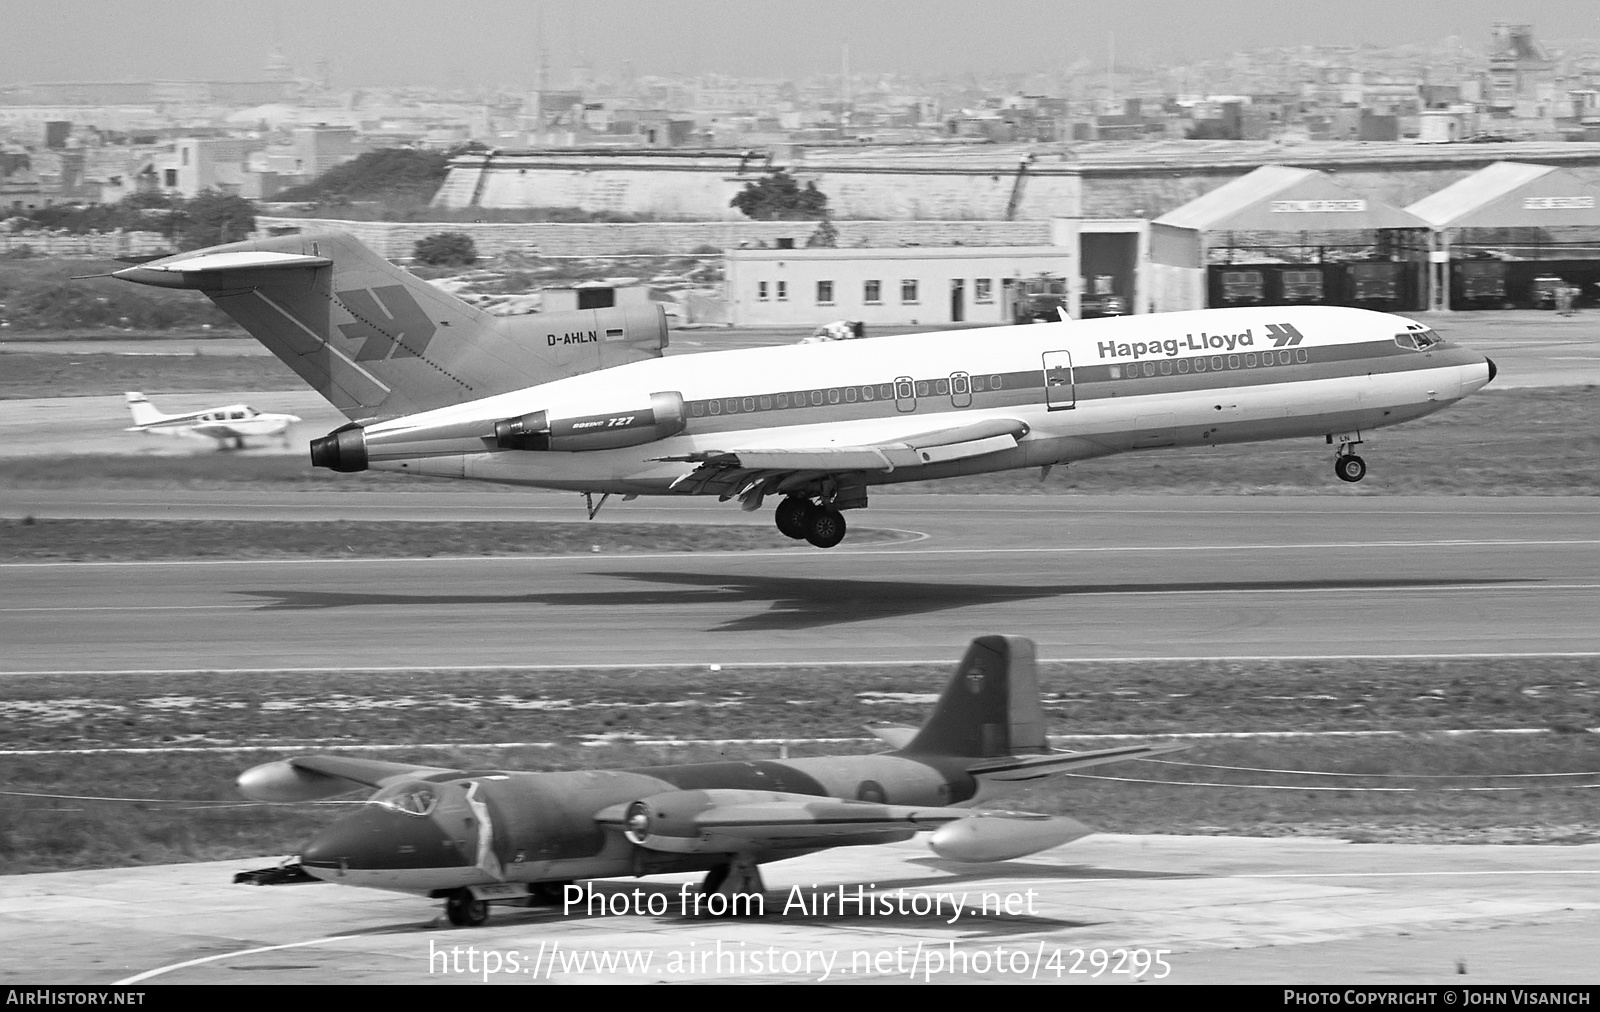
377,839
1492,369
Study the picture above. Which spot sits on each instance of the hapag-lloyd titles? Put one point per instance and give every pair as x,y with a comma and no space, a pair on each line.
1172,346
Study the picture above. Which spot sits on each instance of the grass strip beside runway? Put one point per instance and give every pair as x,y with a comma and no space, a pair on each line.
1423,785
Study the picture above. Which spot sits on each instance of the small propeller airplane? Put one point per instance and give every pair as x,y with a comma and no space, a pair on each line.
476,837
228,424
585,401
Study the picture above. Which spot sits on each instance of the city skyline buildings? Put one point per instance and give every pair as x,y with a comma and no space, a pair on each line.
511,45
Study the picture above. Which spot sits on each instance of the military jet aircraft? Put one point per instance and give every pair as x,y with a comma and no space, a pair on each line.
584,401
475,837
230,423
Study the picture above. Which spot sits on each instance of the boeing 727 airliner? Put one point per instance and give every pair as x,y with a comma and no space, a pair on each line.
584,401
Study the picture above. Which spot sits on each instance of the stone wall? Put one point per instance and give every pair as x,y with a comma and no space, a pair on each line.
98,244
699,191
397,240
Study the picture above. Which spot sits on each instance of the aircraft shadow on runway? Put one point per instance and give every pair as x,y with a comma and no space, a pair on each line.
795,603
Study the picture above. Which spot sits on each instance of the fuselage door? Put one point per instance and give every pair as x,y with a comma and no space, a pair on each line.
960,390
905,394
1058,389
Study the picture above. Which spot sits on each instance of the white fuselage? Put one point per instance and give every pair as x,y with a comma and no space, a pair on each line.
234,422
1082,390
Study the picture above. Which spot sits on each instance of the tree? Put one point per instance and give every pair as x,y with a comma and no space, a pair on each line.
825,237
446,249
388,173
779,197
213,218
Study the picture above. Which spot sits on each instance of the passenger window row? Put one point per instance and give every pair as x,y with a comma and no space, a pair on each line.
958,385
1213,363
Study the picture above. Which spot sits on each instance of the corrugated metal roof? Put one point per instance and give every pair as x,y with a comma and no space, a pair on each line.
1483,187
1234,197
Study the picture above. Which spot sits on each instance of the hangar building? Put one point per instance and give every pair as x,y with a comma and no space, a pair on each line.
1283,236
1509,234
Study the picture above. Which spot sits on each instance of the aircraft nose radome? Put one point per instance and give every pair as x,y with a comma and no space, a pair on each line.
378,839
1492,369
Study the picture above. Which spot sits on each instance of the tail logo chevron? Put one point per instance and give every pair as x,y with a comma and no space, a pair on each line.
1284,335
389,323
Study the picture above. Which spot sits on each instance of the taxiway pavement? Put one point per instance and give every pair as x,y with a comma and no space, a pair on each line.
1212,909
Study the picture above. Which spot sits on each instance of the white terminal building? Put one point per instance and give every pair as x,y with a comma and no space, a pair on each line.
1085,262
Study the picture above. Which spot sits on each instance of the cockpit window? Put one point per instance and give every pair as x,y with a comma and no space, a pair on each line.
1418,340
411,799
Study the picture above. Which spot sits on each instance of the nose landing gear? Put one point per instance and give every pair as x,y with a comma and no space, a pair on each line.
1349,467
1346,464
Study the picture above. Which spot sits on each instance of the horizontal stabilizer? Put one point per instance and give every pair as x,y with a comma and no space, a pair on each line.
240,260
1034,767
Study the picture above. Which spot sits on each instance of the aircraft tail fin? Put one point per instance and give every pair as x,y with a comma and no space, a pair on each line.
144,413
990,707
379,342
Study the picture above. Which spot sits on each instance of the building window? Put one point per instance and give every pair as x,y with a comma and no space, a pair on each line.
783,291
824,293
761,291
172,177
908,291
983,290
872,292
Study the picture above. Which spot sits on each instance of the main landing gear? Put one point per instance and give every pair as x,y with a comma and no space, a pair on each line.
804,520
732,889
466,910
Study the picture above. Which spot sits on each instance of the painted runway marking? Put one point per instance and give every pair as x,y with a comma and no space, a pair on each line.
846,553
708,509
724,665
158,971
1132,592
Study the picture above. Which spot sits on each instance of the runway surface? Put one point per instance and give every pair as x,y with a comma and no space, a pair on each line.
1085,577
1212,909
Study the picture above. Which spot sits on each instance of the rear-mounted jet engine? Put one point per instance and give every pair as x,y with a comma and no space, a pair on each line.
543,430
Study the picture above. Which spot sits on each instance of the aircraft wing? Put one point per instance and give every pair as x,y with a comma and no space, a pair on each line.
738,821
736,472
688,822
1034,767
893,735
308,778
217,430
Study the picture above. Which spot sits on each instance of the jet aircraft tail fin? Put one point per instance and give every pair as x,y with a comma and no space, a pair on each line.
379,342
990,707
144,413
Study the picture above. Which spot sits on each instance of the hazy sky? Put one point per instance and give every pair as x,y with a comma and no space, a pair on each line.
387,42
